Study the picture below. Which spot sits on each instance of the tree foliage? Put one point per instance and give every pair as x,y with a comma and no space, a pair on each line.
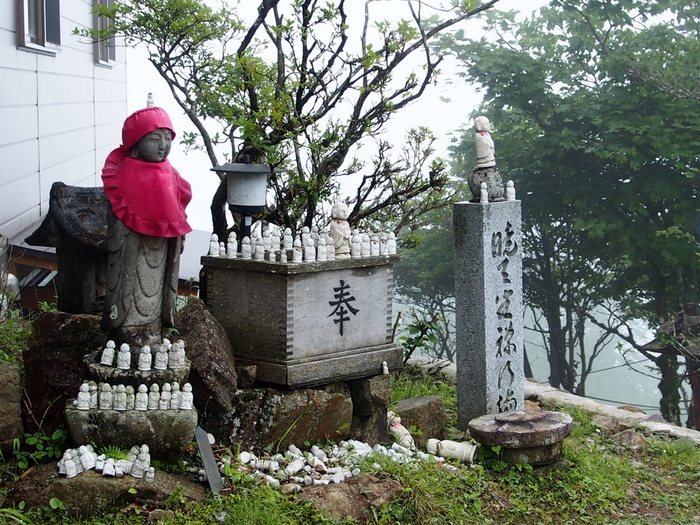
293,87
604,155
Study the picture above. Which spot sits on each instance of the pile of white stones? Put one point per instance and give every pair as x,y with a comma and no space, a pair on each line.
137,464
295,468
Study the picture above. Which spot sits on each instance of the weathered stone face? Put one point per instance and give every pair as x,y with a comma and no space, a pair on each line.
264,417
212,374
53,362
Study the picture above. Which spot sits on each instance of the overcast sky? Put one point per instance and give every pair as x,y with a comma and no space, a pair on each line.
432,110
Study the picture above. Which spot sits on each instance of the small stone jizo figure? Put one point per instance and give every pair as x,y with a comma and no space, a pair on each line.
145,358
108,354
83,402
340,230
141,402
124,357
485,149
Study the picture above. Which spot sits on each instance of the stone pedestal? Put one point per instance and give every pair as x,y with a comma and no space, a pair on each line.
525,437
306,324
489,308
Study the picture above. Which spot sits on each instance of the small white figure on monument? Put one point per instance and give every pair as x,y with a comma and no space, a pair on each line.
283,256
140,466
485,149
146,454
330,246
267,240
84,397
109,469
69,466
374,245
186,399
167,344
391,244
165,395
297,252
321,250
385,368
180,354
510,191
108,354
175,396
366,248
222,249
87,458
288,239
309,248
340,230
484,195
275,243
133,453
315,235
213,245
145,358
130,398
356,246
259,251
106,401
154,397
161,361
246,248
124,357
120,398
232,246
75,456
141,402
383,240
118,470
305,236
94,402
150,475
100,463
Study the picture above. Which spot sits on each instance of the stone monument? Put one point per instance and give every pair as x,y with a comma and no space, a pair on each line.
489,306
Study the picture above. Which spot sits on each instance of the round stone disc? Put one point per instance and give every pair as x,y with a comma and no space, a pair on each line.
521,428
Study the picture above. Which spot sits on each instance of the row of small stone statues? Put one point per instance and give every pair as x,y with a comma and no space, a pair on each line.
138,463
309,246
104,397
168,355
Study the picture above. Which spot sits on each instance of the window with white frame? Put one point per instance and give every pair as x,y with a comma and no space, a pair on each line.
39,25
105,48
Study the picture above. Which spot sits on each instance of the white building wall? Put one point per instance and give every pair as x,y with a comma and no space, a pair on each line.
59,116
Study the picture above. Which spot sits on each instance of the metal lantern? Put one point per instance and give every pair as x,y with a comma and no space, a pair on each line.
247,189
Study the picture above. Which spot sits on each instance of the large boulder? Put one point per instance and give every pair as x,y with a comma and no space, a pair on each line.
355,497
264,417
370,400
90,492
53,363
212,373
10,409
424,416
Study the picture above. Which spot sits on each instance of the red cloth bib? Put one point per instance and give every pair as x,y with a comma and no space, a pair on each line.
148,197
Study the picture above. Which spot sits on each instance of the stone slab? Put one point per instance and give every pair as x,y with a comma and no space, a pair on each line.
210,466
489,308
521,428
309,323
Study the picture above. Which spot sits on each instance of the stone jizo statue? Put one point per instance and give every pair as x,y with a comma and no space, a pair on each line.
485,149
246,248
145,230
186,399
124,357
106,399
83,397
130,398
120,398
154,397
141,402
108,354
175,395
145,358
213,245
161,361
340,230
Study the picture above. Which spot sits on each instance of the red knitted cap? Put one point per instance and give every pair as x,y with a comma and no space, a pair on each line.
142,122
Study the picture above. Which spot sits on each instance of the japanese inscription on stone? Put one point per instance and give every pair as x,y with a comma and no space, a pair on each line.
503,247
342,305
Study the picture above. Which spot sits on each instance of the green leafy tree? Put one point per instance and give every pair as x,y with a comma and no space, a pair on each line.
604,159
290,87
